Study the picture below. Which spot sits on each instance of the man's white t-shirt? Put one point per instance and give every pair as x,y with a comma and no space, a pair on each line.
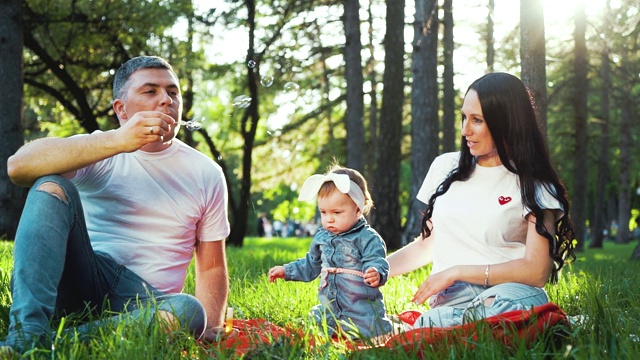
481,220
146,210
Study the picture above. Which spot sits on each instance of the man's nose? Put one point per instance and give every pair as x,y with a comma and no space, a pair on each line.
166,99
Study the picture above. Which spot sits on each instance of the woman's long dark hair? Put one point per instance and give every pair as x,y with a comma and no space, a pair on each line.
510,115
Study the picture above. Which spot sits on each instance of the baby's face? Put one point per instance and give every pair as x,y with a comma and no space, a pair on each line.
338,212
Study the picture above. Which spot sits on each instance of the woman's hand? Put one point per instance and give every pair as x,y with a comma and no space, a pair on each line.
434,284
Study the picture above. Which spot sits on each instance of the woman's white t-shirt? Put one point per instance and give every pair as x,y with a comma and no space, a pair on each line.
146,210
481,220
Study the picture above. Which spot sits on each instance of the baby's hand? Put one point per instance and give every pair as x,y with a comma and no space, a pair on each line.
276,272
372,277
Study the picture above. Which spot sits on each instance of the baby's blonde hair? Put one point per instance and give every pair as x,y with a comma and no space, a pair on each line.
354,175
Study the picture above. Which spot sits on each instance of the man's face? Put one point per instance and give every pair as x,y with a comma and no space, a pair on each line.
154,90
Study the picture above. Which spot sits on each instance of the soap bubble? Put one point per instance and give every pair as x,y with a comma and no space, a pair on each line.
192,124
289,93
251,64
242,101
266,80
291,88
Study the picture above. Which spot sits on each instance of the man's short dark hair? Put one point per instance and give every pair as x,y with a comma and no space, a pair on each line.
141,62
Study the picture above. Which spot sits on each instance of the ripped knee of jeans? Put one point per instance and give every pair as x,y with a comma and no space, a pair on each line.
489,301
54,189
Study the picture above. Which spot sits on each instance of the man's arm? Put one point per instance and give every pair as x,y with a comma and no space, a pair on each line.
63,156
212,284
48,156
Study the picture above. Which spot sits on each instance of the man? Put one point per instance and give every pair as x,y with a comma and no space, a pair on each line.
118,216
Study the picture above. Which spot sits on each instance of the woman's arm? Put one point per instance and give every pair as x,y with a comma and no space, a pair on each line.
533,269
412,256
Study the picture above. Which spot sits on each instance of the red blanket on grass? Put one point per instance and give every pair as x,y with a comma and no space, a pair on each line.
519,325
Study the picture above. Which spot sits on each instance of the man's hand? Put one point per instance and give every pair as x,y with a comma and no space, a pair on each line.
145,127
214,335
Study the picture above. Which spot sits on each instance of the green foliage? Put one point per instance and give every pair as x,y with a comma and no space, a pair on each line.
72,49
299,136
284,205
611,34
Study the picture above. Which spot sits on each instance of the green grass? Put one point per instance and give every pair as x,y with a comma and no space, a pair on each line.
600,290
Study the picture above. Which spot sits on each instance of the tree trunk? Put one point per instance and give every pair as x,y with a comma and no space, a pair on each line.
532,55
581,163
187,76
636,253
624,183
354,78
448,88
424,108
490,39
11,112
78,102
373,106
249,125
387,175
600,214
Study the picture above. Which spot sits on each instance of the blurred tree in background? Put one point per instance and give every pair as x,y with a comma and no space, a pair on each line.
269,82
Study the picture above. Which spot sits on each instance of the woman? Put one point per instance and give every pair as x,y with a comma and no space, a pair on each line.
497,224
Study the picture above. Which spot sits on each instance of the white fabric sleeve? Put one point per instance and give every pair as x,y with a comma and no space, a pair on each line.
439,170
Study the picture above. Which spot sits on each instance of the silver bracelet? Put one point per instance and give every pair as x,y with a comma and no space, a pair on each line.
486,276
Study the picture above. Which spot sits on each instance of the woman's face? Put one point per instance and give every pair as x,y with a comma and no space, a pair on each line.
476,132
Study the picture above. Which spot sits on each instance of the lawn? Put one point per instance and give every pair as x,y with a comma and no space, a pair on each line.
600,292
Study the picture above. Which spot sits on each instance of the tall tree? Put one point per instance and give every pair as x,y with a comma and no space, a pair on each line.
266,45
67,61
624,181
424,108
248,127
599,219
355,94
532,55
11,112
489,39
581,154
386,217
373,97
600,212
448,88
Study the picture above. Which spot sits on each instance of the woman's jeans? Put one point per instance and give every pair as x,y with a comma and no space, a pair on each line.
56,272
463,302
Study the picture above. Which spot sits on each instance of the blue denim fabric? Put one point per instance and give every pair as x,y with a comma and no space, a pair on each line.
345,299
463,302
56,272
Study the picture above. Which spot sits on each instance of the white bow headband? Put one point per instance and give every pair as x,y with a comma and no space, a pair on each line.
312,186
